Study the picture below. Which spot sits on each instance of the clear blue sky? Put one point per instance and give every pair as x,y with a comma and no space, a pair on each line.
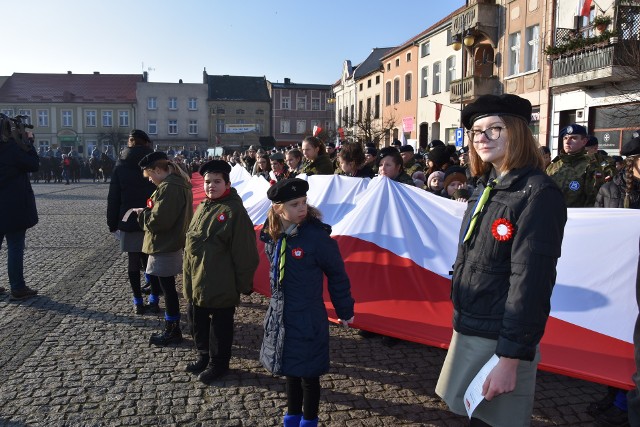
305,41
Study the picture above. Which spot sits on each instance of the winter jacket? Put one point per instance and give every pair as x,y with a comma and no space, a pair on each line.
296,329
220,253
18,202
322,165
404,179
128,189
166,222
612,194
364,172
412,167
504,274
578,177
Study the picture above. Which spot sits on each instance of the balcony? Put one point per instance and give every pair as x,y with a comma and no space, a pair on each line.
470,88
479,18
598,64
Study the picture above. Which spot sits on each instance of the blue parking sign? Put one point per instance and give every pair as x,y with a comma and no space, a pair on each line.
459,137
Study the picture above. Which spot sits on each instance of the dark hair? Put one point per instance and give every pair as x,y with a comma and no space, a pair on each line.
394,154
265,157
629,164
225,176
317,143
352,152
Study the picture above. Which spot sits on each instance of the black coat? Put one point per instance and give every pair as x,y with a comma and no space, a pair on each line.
128,189
18,202
612,194
502,284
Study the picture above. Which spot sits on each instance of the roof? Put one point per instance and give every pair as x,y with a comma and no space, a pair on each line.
82,88
372,63
300,86
238,88
414,39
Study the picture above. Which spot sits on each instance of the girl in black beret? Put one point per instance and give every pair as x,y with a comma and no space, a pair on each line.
296,330
505,268
390,164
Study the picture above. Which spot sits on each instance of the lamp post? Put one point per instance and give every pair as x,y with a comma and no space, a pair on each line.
464,37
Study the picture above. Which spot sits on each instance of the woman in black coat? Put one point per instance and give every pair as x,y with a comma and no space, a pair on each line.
129,189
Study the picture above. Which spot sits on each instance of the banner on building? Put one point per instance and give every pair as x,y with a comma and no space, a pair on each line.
239,128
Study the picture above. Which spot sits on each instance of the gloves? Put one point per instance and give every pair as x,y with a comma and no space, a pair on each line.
346,323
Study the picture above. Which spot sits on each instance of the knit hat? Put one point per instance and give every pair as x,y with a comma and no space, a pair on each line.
454,173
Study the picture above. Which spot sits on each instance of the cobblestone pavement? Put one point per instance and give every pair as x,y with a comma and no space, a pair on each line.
77,355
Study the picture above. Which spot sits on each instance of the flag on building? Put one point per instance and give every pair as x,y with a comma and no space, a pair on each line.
403,139
438,111
584,8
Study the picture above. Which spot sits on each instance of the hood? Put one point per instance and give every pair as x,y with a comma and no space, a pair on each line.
177,180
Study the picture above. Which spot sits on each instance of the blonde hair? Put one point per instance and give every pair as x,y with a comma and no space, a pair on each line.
171,167
274,225
521,149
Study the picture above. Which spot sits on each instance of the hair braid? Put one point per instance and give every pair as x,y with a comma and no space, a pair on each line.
629,163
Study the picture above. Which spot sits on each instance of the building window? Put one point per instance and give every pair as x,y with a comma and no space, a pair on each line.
107,118
239,111
259,126
407,87
43,118
396,90
368,112
531,48
220,126
301,103
376,108
388,66
123,119
397,62
193,127
259,112
301,126
152,103
377,80
360,110
435,86
26,116
388,93
192,103
369,83
285,103
285,126
220,111
425,49
152,127
240,121
449,37
361,87
451,72
7,112
408,56
315,104
514,53
173,127
173,103
44,144
424,91
67,118
91,118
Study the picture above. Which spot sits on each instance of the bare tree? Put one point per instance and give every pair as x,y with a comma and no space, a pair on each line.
114,138
367,128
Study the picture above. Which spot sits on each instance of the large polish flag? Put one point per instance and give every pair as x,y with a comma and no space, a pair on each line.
399,243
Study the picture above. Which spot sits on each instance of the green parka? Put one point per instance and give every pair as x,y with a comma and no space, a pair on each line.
220,255
322,165
165,223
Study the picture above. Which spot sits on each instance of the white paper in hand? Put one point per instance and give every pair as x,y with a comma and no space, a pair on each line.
473,395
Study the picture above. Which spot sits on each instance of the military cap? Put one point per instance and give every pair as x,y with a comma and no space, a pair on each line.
573,129
137,133
435,143
215,166
277,156
370,145
454,173
631,148
406,148
371,151
387,151
252,148
592,141
496,105
148,160
396,143
287,189
438,155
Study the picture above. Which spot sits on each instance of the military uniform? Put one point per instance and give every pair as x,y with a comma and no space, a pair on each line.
578,177
606,165
413,166
322,165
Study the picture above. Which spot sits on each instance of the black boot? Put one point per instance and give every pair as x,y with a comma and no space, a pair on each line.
212,373
171,334
199,365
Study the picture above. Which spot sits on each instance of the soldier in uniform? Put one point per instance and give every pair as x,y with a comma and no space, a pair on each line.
574,171
409,160
601,161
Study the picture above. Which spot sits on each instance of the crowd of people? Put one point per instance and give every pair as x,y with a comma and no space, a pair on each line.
502,278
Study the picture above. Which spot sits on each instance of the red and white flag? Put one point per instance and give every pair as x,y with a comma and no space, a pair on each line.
584,8
438,111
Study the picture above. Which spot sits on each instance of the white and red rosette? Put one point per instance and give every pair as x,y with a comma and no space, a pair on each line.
502,229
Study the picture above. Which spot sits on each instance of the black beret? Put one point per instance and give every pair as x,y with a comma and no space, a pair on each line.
371,151
137,133
435,143
573,129
406,148
438,155
631,148
388,151
148,160
370,145
215,166
287,189
277,156
592,141
396,142
496,105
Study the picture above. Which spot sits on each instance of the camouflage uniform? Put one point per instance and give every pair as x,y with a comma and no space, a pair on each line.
412,166
606,165
578,177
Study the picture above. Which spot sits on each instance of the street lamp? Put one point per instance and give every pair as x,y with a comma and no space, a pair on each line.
466,38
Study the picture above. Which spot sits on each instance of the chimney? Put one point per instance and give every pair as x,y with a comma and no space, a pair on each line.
180,81
287,81
145,76
96,72
69,72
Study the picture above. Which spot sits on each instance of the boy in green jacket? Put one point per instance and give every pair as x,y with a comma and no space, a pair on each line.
220,259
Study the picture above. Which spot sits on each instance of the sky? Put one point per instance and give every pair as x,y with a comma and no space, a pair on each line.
305,41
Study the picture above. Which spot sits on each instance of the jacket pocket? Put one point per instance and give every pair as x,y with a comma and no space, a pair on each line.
486,292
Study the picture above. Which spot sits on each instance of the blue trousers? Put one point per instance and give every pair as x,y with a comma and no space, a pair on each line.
15,257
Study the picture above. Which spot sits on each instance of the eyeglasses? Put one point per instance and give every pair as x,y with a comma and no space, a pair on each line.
492,133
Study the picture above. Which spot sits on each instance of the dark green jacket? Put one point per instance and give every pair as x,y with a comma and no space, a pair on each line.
322,165
404,179
412,166
578,178
165,223
220,255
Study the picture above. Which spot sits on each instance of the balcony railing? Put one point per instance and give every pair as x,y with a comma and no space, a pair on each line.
470,88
